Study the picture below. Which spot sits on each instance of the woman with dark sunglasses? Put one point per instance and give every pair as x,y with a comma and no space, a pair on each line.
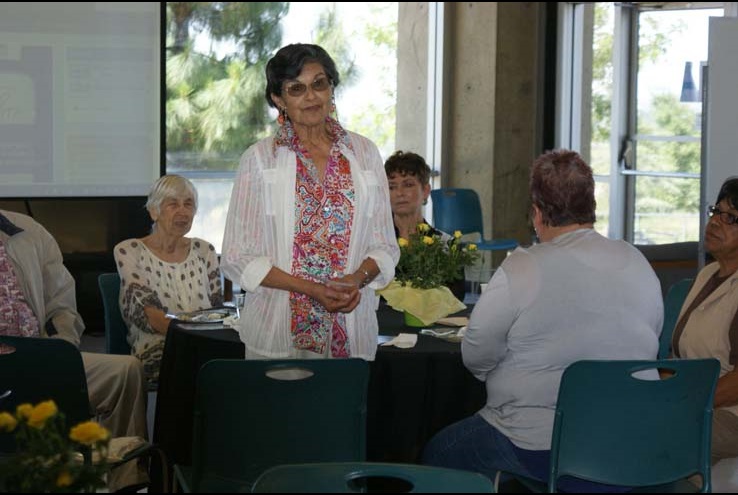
309,232
708,322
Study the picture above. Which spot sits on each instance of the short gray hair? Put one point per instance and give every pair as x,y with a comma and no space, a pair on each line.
169,186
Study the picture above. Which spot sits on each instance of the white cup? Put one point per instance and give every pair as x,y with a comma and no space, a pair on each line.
483,287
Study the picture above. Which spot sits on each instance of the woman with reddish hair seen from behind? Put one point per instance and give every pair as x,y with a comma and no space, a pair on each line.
576,295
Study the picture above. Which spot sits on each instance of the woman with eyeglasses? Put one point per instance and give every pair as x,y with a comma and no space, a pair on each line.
309,232
708,322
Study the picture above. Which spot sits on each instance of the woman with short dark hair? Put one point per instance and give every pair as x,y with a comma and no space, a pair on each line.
309,230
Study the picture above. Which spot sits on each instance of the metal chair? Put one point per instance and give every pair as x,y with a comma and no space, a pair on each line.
251,415
460,209
618,428
672,306
116,330
352,477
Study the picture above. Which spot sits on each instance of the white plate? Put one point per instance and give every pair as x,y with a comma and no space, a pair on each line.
212,315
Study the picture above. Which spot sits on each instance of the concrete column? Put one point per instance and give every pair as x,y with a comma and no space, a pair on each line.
412,76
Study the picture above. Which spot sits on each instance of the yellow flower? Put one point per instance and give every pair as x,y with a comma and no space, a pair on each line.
46,460
88,433
42,412
472,247
430,259
23,411
64,479
7,422
457,234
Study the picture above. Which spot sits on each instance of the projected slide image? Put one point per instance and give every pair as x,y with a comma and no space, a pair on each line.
25,117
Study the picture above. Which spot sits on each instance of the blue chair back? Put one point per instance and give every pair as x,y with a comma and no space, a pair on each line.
116,331
371,477
459,209
672,306
612,427
251,415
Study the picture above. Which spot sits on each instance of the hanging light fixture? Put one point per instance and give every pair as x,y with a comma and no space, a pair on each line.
690,92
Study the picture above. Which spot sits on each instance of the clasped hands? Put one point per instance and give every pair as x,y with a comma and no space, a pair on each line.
339,295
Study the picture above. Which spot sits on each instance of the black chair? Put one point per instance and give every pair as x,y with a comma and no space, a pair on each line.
353,477
251,415
40,369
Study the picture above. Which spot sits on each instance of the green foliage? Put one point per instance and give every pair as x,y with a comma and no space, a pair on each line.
656,197
215,103
427,262
215,100
653,40
372,119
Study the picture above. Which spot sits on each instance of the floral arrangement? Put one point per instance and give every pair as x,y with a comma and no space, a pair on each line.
427,262
50,458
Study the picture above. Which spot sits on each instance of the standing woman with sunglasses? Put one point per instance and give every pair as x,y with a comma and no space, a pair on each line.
309,233
708,322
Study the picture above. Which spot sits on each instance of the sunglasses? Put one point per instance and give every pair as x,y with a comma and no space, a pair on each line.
725,216
298,89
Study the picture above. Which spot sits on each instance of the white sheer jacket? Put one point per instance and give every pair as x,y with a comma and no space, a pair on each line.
259,234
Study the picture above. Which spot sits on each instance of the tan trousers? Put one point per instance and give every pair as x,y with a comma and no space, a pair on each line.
724,435
117,390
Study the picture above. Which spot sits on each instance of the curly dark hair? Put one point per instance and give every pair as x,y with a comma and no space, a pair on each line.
288,62
562,187
408,163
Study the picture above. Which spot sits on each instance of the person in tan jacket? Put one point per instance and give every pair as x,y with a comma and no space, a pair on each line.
37,300
708,322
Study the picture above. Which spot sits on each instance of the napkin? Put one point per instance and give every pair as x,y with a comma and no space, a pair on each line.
403,341
428,305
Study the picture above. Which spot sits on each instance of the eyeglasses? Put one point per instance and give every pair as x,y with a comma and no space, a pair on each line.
298,89
725,216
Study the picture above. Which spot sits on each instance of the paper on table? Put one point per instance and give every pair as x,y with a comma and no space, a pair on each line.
454,321
403,341
427,305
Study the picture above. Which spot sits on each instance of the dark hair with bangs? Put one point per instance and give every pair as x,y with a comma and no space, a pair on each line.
562,187
288,62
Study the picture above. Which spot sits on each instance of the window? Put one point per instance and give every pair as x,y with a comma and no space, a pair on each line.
637,127
215,105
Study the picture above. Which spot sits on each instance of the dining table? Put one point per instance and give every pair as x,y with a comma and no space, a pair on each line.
412,394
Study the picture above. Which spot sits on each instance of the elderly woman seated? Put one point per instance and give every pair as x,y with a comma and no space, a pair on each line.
165,272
